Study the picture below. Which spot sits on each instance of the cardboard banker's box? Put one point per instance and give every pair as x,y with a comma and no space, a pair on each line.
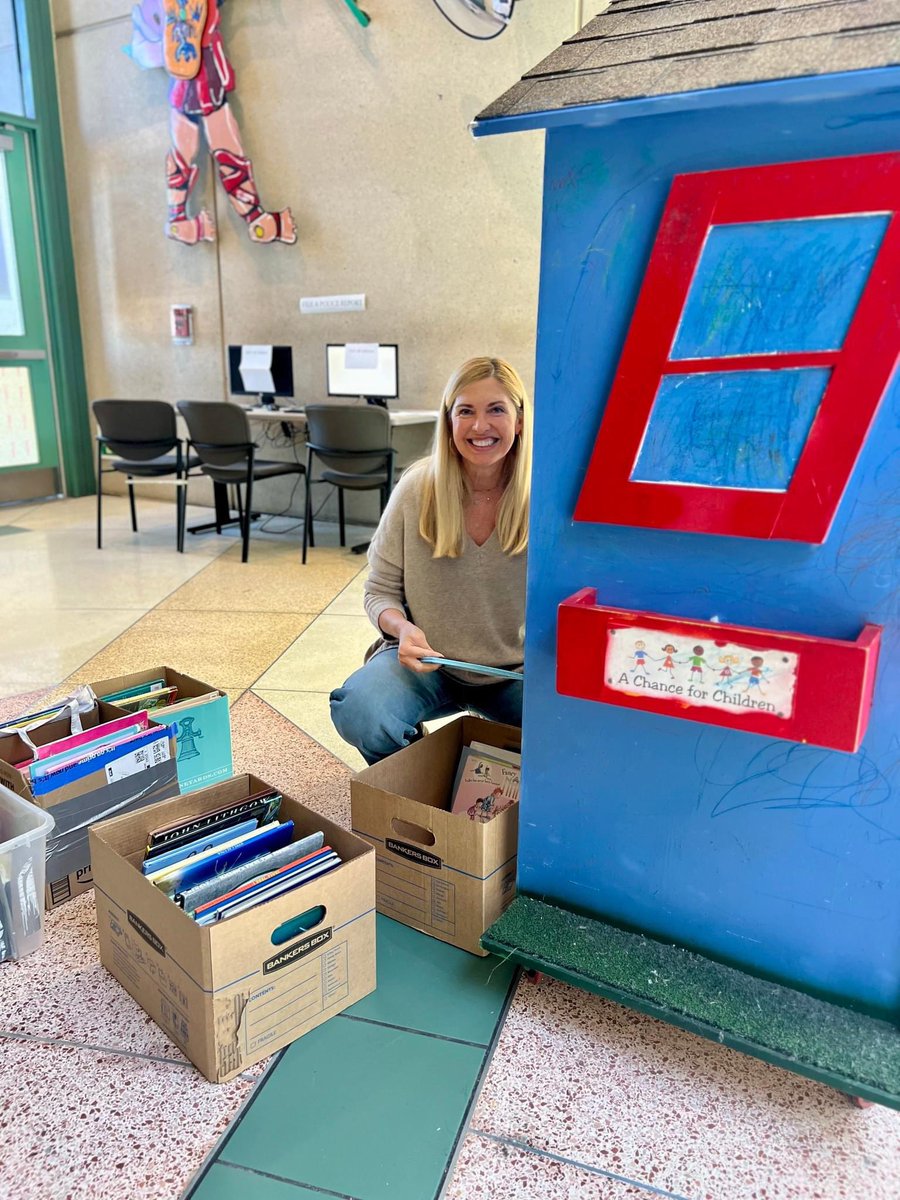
436,870
201,713
231,993
76,804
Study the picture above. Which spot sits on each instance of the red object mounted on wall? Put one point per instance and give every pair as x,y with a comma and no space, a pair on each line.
826,691
860,369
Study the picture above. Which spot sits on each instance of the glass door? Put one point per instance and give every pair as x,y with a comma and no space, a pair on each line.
29,445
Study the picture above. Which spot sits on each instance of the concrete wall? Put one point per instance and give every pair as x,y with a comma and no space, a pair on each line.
363,133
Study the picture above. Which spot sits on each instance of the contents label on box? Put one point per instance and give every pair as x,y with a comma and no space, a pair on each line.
304,990
704,673
416,897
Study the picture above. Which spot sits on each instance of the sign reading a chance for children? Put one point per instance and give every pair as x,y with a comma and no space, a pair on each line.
703,673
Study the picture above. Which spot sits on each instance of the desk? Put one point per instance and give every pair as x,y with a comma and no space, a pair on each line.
399,416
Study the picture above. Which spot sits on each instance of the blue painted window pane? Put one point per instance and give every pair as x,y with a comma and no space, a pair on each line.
778,286
736,429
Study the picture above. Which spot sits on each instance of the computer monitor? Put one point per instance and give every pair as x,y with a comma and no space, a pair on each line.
363,369
262,371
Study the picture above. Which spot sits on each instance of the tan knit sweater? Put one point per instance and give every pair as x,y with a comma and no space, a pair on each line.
471,608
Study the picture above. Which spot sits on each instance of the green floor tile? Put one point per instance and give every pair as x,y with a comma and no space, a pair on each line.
425,984
361,1110
235,1183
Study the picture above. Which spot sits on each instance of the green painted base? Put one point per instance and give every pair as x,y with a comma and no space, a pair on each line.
847,1050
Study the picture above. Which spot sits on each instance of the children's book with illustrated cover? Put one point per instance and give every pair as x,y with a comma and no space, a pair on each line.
138,689
501,752
485,786
145,701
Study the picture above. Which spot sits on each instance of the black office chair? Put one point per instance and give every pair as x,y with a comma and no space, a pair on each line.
219,432
141,434
353,445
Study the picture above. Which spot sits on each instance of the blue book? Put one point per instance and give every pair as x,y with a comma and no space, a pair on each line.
225,858
269,887
477,668
118,761
203,893
200,845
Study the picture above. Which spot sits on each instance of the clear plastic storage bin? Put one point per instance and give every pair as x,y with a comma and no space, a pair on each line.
23,846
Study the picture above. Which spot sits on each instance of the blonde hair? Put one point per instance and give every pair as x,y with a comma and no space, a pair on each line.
444,491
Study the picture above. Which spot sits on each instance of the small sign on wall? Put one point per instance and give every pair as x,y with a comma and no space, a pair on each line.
182,324
722,674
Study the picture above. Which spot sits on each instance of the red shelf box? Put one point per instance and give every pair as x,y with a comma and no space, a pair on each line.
784,685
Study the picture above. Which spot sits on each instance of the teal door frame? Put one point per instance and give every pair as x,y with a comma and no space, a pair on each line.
57,259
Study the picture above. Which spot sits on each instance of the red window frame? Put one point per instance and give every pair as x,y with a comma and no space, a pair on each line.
860,371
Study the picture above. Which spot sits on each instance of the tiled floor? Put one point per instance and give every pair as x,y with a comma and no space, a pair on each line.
581,1097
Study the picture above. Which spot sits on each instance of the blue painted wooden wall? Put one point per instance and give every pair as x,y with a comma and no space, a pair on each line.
779,857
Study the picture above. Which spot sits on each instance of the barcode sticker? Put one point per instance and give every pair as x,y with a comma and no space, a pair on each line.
139,760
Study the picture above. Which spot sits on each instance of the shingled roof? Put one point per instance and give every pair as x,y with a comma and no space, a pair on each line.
664,47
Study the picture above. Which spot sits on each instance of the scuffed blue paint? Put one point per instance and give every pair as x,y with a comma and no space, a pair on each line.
778,286
737,429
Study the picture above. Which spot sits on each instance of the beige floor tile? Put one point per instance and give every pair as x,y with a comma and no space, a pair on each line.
17,512
329,650
156,521
41,647
349,603
310,712
55,570
228,650
603,1086
268,582
78,513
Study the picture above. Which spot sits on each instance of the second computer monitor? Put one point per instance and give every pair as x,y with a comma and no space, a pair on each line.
362,369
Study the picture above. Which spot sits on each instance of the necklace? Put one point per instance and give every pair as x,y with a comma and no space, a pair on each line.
487,495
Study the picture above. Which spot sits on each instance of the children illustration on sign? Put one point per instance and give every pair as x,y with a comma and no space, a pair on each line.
698,662
669,662
716,673
755,674
640,657
727,661
183,37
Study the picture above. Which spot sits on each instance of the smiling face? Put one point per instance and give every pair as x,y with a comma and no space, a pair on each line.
484,423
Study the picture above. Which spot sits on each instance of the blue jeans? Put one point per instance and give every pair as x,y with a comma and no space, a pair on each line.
378,708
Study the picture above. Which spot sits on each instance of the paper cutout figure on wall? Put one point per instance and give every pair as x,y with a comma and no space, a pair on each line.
183,37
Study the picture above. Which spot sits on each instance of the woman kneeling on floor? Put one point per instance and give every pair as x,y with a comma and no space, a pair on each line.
447,571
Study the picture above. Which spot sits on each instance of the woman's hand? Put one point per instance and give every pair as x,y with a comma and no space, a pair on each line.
413,646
